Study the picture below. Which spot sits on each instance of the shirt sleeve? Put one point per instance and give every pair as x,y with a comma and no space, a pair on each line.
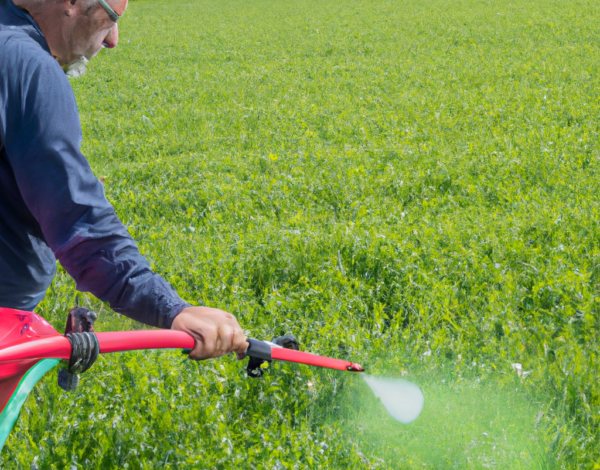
42,143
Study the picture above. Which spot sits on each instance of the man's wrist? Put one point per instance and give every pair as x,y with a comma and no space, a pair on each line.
169,317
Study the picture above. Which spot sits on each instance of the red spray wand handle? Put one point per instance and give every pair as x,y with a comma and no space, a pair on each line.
270,351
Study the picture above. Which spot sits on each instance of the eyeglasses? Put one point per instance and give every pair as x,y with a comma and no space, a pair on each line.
111,13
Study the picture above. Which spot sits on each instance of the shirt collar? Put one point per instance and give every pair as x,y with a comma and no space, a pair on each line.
26,23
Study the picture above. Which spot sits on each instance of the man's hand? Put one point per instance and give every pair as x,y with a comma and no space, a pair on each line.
216,332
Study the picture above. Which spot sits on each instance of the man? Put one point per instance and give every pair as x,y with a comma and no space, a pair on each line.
51,205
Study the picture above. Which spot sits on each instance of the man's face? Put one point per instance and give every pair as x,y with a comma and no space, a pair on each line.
89,27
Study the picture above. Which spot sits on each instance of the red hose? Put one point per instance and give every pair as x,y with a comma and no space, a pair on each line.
59,347
145,339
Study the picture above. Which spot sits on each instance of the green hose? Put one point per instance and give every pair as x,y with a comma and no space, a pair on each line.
10,413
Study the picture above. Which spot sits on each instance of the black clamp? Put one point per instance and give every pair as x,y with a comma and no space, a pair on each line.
84,352
84,347
254,367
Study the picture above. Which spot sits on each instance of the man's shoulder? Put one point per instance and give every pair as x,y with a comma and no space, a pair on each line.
31,81
21,54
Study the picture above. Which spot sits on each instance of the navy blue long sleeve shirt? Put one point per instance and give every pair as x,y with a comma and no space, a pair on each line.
51,205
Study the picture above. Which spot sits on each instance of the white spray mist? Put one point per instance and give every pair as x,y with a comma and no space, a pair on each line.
402,399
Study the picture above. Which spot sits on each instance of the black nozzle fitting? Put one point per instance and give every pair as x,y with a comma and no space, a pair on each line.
260,352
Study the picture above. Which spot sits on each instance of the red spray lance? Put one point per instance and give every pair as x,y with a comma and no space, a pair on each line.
61,347
402,399
30,347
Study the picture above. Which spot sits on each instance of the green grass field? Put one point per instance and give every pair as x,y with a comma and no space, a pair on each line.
410,184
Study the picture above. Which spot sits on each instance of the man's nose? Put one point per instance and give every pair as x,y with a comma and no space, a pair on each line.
112,38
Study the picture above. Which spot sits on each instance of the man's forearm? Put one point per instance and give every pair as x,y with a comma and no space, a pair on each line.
112,269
